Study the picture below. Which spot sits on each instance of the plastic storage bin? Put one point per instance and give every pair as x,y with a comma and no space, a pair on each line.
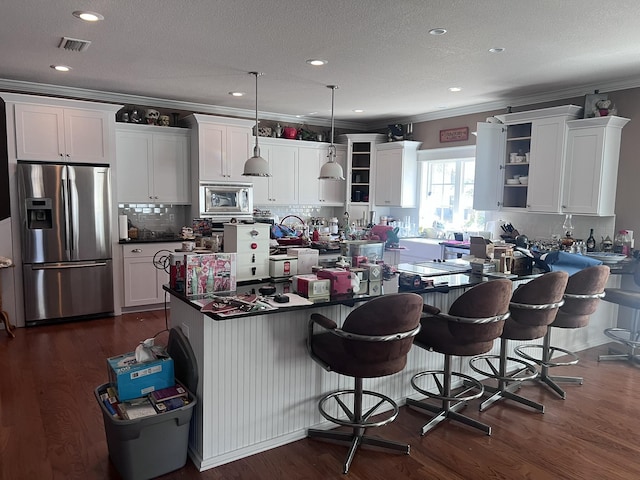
156,445
147,447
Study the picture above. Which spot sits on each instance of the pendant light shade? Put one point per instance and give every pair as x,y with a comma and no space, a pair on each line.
256,166
331,170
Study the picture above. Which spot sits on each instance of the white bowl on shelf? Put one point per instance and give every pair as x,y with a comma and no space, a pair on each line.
513,181
524,180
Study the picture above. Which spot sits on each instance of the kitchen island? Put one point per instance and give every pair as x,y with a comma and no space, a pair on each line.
258,388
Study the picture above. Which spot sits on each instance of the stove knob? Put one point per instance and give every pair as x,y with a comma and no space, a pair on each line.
254,245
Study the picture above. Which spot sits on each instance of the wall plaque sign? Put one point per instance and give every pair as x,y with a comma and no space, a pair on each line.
454,135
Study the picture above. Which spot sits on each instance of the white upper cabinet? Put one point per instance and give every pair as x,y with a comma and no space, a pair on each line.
52,133
396,174
311,190
591,169
489,176
220,146
281,188
527,144
152,164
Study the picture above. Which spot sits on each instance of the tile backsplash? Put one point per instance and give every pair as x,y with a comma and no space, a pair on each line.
157,217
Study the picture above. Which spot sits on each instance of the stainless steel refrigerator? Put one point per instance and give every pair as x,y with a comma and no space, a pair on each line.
65,215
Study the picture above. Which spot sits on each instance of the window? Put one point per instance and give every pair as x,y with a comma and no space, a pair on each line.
446,193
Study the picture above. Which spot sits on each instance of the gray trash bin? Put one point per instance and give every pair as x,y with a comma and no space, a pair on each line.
152,446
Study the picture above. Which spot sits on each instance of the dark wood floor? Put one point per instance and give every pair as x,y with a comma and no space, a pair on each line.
51,426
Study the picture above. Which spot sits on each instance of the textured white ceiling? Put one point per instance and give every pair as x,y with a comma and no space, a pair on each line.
379,52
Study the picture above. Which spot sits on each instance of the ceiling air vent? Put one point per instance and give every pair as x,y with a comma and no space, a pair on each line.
74,44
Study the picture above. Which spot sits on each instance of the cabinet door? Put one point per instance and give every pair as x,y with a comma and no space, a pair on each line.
309,163
213,140
86,136
238,150
546,166
583,171
281,188
171,168
133,151
388,177
489,175
143,282
39,132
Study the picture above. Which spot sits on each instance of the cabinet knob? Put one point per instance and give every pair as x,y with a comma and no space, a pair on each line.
68,156
61,155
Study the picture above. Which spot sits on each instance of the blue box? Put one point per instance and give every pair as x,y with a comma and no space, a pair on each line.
133,379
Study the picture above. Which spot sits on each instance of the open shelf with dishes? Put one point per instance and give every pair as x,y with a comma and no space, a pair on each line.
360,171
516,166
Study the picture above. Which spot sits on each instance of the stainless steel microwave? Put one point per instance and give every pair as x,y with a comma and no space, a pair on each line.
226,200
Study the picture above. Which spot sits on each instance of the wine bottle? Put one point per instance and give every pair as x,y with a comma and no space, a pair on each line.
591,242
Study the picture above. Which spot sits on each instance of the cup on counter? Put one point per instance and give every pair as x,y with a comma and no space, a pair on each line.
188,246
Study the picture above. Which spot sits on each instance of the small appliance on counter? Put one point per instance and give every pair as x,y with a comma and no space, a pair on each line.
341,284
282,267
251,243
311,287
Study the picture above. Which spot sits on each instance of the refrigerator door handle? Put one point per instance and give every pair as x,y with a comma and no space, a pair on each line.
58,266
67,212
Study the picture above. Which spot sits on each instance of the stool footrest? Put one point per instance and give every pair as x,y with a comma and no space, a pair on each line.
524,371
521,351
352,419
445,395
625,336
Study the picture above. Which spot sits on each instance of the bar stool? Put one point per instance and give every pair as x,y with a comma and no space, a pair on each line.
373,342
629,337
474,321
533,308
582,296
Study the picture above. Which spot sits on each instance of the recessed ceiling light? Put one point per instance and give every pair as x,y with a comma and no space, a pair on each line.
454,89
312,113
88,16
61,68
299,116
316,62
237,94
438,31
358,110
497,49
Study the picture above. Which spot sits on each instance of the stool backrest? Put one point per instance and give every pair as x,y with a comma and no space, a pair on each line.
589,282
387,315
485,300
528,300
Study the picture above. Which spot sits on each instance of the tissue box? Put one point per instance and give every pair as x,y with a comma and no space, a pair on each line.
133,379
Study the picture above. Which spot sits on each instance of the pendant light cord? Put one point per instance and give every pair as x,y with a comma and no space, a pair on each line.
332,147
256,148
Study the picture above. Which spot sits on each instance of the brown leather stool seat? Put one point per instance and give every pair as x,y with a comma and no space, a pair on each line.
533,308
582,296
373,342
470,327
629,337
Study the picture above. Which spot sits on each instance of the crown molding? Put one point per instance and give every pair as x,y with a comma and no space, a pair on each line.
576,91
17,86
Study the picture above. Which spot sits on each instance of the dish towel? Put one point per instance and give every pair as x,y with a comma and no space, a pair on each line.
568,262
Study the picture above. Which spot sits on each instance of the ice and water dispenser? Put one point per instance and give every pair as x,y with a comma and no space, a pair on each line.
39,215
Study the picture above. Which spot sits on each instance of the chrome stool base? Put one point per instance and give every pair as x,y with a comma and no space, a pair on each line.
629,338
358,421
508,383
546,362
451,403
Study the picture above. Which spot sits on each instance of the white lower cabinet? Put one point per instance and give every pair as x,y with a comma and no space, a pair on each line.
142,280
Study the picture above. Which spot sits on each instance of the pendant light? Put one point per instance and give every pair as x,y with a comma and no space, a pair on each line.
256,166
331,170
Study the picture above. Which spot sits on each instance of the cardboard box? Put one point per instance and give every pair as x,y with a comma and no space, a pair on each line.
133,379
480,247
307,258
206,272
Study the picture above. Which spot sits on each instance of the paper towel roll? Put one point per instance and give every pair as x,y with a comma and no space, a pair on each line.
123,227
